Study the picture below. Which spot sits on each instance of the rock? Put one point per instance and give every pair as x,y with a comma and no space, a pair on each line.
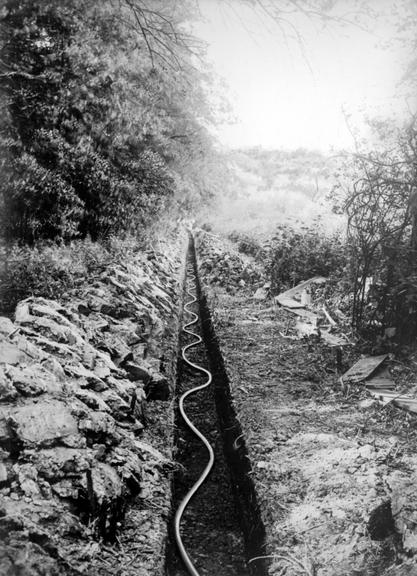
10,353
22,313
55,331
6,326
128,464
54,367
56,463
114,345
262,292
43,422
119,408
27,476
3,474
7,391
127,332
92,380
65,489
106,483
139,352
136,372
100,427
33,380
62,351
124,388
92,400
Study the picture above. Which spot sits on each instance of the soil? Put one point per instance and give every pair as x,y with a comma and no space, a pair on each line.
210,525
326,462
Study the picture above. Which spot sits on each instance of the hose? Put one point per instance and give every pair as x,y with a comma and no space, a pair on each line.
184,503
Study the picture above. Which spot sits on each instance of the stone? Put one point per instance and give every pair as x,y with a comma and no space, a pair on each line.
7,391
27,476
22,313
55,331
43,422
11,354
65,488
106,482
136,372
54,367
6,326
33,380
3,473
62,351
119,408
100,427
56,463
127,332
115,346
92,400
123,387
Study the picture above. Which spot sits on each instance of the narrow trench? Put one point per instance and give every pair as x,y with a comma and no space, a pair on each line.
221,528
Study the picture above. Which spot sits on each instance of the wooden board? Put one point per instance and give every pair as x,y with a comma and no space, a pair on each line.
363,368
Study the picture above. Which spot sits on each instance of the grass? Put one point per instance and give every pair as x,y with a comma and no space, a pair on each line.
50,270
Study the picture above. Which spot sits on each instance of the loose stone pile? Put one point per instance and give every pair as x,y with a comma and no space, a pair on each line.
76,378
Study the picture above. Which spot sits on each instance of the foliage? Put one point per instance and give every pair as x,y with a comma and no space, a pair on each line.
247,244
297,255
104,117
382,234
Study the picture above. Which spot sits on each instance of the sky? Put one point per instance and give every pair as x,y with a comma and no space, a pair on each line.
287,93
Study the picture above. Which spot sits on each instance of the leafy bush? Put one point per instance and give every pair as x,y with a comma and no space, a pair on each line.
38,203
296,255
246,244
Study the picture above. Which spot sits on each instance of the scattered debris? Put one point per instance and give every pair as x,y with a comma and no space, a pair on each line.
314,322
289,298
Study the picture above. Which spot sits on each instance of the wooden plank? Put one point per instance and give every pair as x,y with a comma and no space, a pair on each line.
300,287
400,400
363,368
288,302
380,383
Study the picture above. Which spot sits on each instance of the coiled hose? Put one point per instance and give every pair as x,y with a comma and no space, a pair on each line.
179,513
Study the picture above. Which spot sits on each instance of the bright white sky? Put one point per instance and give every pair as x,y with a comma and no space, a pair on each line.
284,99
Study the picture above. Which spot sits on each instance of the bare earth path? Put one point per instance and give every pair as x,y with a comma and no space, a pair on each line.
326,465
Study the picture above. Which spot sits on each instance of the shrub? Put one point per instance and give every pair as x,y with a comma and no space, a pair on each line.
296,255
38,203
246,244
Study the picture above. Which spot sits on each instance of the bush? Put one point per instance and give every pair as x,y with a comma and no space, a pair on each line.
297,255
246,244
38,203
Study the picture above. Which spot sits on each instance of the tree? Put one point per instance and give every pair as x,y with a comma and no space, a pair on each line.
103,101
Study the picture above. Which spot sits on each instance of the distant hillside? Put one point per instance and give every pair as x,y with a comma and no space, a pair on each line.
270,187
305,171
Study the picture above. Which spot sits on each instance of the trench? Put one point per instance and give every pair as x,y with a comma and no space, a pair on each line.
221,528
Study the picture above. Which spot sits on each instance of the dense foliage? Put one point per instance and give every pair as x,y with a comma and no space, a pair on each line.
297,255
103,119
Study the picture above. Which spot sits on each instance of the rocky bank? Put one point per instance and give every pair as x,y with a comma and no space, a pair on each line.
86,422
